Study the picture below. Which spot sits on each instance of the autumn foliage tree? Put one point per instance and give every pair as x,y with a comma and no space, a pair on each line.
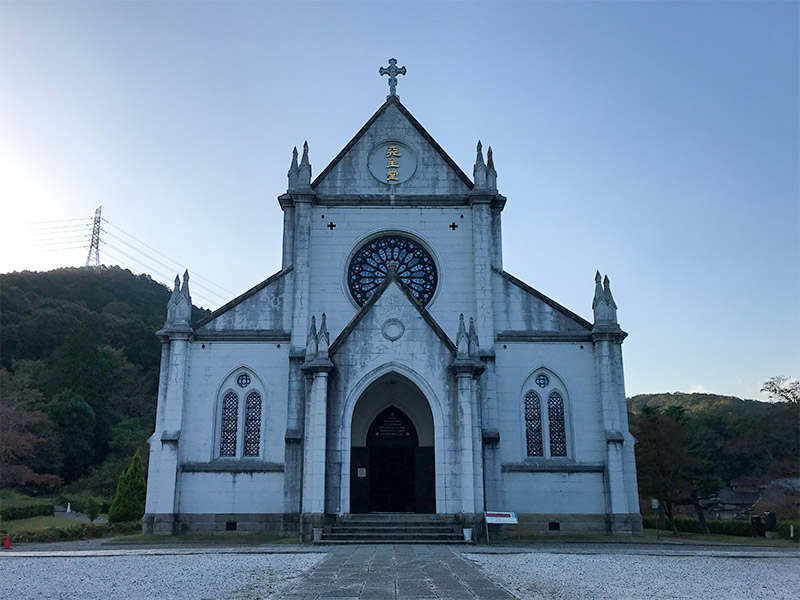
663,461
25,434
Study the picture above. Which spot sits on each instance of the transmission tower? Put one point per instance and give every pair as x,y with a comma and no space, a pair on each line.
93,258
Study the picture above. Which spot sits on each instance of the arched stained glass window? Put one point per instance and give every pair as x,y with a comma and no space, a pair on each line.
555,416
230,424
533,424
252,425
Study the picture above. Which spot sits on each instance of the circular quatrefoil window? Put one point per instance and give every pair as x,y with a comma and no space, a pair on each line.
370,265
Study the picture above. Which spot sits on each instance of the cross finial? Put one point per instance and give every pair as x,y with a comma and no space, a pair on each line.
392,71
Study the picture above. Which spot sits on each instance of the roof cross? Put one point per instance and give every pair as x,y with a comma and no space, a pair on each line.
392,71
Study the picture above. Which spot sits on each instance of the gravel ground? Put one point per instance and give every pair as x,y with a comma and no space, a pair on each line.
604,576
148,576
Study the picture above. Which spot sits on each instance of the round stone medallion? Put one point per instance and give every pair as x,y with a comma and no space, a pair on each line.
392,162
393,329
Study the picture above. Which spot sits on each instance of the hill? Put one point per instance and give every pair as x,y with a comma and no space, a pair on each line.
79,366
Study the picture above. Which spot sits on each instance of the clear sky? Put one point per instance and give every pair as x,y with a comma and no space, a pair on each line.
657,142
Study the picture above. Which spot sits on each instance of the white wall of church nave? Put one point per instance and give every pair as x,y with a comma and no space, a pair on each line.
331,251
221,493
554,493
575,367
210,364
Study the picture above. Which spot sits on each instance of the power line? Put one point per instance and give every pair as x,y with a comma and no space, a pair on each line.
195,284
61,241
150,271
60,221
180,264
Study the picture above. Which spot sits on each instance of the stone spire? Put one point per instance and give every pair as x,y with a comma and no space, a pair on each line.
491,174
311,340
603,305
304,170
323,338
293,171
179,307
462,339
479,170
474,346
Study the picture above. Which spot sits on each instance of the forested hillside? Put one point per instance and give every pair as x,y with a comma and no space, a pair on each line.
691,445
79,363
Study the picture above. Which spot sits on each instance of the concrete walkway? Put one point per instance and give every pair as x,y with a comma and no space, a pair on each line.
395,572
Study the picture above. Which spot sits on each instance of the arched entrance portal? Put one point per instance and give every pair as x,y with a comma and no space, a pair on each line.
392,453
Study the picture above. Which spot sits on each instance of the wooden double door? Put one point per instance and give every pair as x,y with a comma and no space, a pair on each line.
392,473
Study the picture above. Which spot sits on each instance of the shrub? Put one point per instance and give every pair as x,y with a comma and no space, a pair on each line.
730,527
19,506
80,502
128,503
784,531
79,531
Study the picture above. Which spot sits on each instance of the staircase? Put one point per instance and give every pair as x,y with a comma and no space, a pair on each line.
394,528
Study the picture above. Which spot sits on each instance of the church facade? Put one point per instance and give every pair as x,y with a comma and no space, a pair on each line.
391,365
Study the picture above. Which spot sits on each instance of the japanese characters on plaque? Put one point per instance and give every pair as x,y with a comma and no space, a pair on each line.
392,162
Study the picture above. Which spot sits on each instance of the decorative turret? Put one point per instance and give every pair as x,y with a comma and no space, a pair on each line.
479,170
304,171
462,339
293,171
179,307
311,341
474,347
603,305
323,338
491,174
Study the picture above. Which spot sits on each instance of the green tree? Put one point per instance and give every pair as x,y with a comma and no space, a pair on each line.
93,507
75,420
128,503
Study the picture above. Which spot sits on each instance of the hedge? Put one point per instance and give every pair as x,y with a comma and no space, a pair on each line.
79,531
79,502
722,527
24,507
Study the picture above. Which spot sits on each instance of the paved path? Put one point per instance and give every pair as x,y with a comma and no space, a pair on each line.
395,572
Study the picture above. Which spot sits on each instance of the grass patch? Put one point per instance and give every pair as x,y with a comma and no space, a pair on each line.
205,538
36,524
650,535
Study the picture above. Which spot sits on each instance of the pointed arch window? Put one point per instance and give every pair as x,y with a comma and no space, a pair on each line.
545,431
240,415
252,424
230,424
555,416
533,424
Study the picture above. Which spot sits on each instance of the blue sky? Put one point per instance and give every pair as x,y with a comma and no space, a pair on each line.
657,142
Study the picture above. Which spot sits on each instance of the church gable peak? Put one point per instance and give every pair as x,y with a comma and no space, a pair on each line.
392,155
392,282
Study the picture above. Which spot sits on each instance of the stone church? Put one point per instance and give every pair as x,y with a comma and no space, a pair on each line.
391,366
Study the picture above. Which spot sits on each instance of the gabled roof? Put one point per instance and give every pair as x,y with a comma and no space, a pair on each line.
359,316
537,294
394,100
241,298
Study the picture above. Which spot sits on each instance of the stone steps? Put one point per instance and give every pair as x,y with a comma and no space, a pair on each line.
393,528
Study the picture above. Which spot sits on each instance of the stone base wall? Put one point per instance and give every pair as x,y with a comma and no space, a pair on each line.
567,524
228,524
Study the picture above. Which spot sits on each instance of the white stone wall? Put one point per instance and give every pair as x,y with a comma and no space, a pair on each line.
433,176
554,493
210,365
575,368
210,493
331,252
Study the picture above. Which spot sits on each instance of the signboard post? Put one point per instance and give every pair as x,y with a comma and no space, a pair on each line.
500,518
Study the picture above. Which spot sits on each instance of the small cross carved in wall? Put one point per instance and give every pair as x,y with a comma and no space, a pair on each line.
331,225
453,226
